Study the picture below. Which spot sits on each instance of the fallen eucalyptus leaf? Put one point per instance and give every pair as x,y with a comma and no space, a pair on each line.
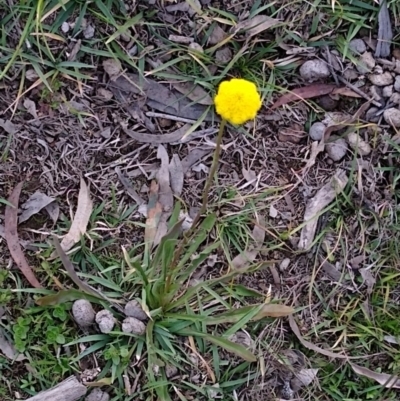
34,204
81,218
384,379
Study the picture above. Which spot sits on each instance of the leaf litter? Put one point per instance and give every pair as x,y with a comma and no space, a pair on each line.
34,204
11,234
81,219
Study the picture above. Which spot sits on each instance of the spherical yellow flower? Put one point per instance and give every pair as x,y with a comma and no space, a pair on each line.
237,100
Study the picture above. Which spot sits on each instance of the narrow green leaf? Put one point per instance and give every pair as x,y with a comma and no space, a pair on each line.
65,296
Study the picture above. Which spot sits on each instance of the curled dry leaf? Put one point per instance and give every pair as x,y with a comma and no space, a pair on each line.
81,219
384,379
306,92
315,205
154,210
34,204
11,234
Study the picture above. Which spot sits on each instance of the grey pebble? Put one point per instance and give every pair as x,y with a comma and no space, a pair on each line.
105,320
357,46
314,70
397,83
133,326
358,144
366,63
392,117
317,131
381,79
336,148
371,115
134,309
83,313
387,91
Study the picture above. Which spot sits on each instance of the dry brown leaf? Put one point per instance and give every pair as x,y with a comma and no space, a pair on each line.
154,210
316,149
194,92
165,196
384,379
303,378
176,174
350,120
11,234
315,205
311,346
306,92
112,67
274,310
30,107
368,279
34,204
53,209
9,350
217,35
257,24
345,91
81,218
160,98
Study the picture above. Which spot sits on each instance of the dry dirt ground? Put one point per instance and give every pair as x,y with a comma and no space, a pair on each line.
86,98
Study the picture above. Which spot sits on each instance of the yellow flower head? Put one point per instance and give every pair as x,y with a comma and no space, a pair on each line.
237,100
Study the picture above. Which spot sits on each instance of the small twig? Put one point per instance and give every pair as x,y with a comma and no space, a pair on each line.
358,91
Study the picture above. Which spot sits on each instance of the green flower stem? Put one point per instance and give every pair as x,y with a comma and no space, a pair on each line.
210,178
203,208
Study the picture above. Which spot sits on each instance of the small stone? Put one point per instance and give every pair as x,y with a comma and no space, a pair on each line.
336,148
314,70
105,320
376,93
134,309
395,98
317,131
371,115
358,144
381,79
387,91
97,395
357,46
366,63
397,83
196,47
171,371
105,93
350,74
284,264
327,103
223,56
392,117
133,326
65,27
88,33
83,313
